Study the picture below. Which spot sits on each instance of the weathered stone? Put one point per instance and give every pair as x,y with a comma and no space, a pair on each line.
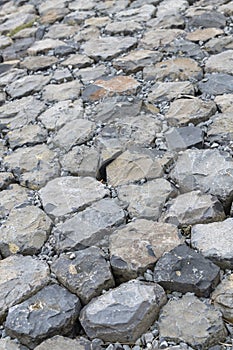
138,245
98,22
61,113
208,19
173,21
222,298
43,46
123,27
82,5
221,128
81,161
224,102
207,170
112,6
8,344
75,18
110,86
25,231
227,9
18,113
20,277
62,75
217,45
86,275
185,48
90,227
170,90
59,342
137,60
139,303
36,63
184,270
132,166
9,74
138,14
5,180
221,63
216,84
174,69
33,166
16,20
61,92
27,85
28,135
196,323
154,39
77,61
53,15
147,200
74,133
2,98
53,310
107,48
203,34
214,241
90,33
61,31
178,139
87,75
168,7
13,197
69,194
193,208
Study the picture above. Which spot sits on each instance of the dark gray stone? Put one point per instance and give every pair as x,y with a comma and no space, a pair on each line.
208,19
186,48
124,313
216,84
184,270
86,275
185,137
53,310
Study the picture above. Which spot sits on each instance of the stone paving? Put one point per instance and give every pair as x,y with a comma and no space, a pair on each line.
116,174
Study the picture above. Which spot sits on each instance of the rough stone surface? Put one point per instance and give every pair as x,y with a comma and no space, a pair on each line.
69,194
21,276
221,62
214,241
46,320
62,92
59,342
8,344
197,324
222,298
178,139
184,270
27,85
90,226
216,84
137,246
86,275
12,197
139,302
193,208
168,91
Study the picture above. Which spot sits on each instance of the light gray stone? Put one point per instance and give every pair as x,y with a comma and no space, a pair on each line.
61,31
33,166
125,27
138,14
77,61
62,75
224,102
27,85
178,139
45,45
193,208
90,227
20,277
218,45
52,311
139,303
25,231
62,92
221,63
15,20
197,324
207,170
107,48
5,179
154,39
86,275
69,194
29,135
137,246
8,344
61,113
12,197
59,342
36,63
170,91
168,7
214,241
222,298
8,75
147,200
87,75
221,128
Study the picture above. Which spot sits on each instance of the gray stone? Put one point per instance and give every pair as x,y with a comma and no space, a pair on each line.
62,92
20,277
9,74
27,85
218,45
170,91
8,344
86,275
12,197
221,128
193,208
77,61
69,194
82,5
208,19
222,298
29,135
89,74
173,21
25,231
123,27
224,102
184,270
153,39
19,113
59,342
181,68
33,166
61,113
139,303
138,14
74,133
132,166
62,75
214,241
136,60
36,63
138,245
90,227
178,139
15,20
52,311
107,48
186,48
196,323
75,18
5,180
81,161
168,7
147,200
207,170
61,31
221,63
43,46
203,34
216,84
